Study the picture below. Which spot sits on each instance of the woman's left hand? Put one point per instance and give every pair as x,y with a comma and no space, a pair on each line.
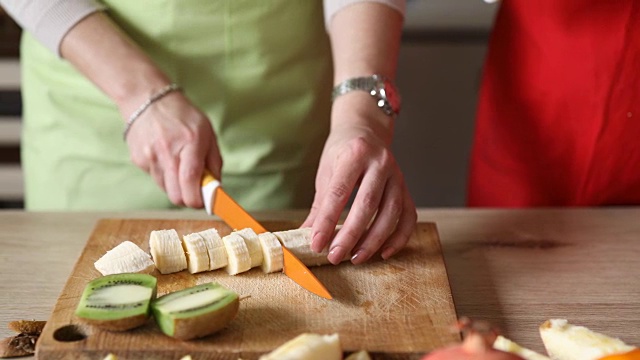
357,155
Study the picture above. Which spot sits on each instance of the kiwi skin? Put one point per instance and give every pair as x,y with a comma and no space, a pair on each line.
183,326
207,324
118,325
123,323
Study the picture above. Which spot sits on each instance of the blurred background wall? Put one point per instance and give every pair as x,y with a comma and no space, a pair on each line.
441,58
10,110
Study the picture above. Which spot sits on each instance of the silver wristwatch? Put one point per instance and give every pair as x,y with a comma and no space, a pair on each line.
382,89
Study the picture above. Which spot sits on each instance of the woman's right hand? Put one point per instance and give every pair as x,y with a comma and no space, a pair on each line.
173,141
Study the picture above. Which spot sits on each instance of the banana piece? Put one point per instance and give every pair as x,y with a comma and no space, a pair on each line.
166,250
503,344
298,241
564,341
215,248
127,257
253,245
237,254
272,258
308,347
197,253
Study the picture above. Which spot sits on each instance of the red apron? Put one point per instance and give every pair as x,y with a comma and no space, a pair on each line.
558,119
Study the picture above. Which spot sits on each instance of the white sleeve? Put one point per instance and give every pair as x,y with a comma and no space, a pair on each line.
331,7
49,20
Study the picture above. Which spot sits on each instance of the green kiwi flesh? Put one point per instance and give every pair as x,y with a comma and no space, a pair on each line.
195,312
117,302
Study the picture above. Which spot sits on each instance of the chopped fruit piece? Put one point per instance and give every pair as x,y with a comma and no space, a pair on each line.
195,312
117,302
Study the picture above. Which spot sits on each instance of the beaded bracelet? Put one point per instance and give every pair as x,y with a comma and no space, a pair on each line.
155,97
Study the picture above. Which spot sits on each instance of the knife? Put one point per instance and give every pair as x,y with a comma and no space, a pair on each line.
218,202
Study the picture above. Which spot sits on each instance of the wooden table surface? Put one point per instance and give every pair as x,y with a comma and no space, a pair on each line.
515,268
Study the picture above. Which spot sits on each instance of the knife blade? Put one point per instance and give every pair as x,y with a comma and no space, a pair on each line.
218,202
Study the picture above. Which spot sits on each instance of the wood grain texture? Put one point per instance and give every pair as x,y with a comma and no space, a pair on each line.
504,265
396,309
518,268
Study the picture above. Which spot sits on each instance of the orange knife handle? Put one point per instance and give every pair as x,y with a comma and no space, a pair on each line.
221,204
207,177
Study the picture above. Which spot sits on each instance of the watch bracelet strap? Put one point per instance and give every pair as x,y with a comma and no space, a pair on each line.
365,83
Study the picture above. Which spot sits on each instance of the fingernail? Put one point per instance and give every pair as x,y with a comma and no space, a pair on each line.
316,242
387,253
336,255
357,256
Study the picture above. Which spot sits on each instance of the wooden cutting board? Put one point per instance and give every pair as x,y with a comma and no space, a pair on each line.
397,309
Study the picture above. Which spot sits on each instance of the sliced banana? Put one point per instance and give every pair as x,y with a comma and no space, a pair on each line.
206,250
237,254
298,241
272,259
215,248
166,250
197,253
253,245
127,257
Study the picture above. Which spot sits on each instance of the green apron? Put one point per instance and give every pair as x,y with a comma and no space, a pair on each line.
261,70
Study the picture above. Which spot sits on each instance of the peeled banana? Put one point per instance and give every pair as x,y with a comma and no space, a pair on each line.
237,254
166,250
298,241
215,249
127,257
272,258
253,245
206,250
197,253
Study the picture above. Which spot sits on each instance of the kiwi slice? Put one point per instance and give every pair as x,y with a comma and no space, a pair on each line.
196,311
117,302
